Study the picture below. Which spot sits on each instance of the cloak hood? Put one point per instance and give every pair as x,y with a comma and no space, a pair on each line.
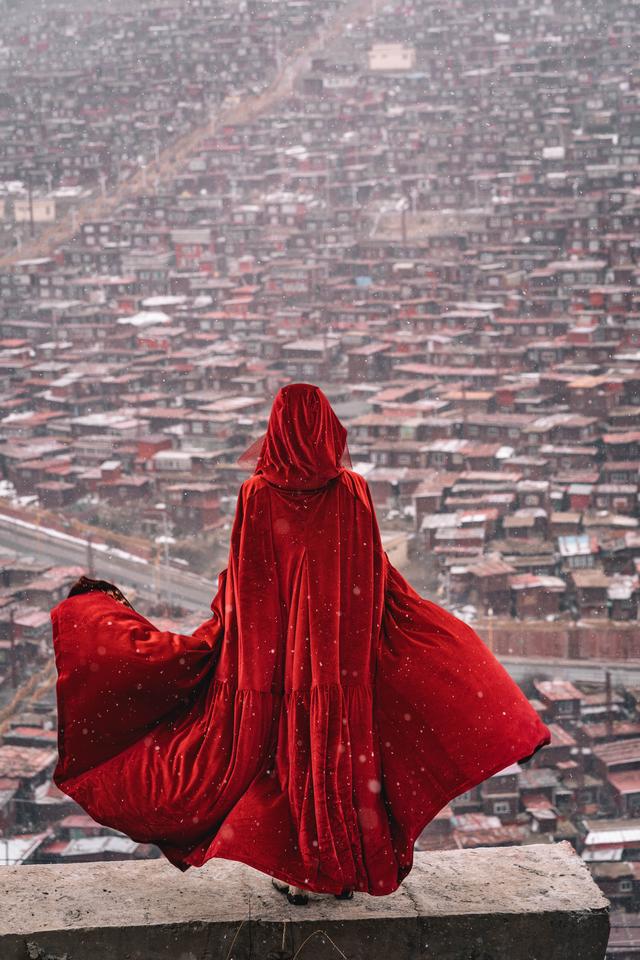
305,444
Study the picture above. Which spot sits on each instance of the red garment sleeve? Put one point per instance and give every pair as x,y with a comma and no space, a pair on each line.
118,674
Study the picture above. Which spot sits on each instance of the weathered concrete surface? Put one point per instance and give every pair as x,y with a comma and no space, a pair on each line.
536,902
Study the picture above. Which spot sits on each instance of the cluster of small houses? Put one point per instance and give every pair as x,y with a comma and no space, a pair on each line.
89,98
439,225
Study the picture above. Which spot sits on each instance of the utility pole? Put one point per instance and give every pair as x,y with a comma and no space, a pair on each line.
12,647
90,563
167,569
490,629
609,700
463,388
138,413
164,540
156,584
32,228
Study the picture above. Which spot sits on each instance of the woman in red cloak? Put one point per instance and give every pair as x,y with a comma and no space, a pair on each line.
318,720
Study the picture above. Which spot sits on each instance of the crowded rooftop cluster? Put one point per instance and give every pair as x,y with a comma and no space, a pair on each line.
92,96
439,229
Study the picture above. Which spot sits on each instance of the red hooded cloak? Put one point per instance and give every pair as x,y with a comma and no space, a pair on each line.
322,715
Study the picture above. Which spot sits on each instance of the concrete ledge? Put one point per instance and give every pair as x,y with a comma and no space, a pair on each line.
536,902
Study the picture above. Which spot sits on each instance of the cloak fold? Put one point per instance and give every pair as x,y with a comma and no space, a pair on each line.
315,723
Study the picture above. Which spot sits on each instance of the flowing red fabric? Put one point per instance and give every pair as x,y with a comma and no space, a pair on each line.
322,715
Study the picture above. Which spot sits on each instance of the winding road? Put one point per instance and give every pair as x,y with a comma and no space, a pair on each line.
196,593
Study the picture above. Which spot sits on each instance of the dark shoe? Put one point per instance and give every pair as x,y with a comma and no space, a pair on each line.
297,899
347,894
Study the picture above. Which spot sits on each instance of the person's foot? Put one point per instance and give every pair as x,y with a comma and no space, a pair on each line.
295,895
346,894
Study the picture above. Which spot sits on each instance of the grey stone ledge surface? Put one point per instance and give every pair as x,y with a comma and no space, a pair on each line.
494,903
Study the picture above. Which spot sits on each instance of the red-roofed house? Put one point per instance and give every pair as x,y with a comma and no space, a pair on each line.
561,697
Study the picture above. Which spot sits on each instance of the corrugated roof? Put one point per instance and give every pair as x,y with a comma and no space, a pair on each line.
557,690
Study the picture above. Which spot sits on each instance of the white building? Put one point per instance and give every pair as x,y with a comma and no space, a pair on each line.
391,56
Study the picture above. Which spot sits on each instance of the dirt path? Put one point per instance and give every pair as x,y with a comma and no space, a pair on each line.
173,157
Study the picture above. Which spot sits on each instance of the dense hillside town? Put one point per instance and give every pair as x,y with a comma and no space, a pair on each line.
432,212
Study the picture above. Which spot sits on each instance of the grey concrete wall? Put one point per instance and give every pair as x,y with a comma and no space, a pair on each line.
536,902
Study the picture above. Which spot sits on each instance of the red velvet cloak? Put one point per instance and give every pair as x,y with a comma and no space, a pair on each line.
322,715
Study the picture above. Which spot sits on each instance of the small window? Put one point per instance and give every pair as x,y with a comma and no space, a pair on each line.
565,706
501,806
